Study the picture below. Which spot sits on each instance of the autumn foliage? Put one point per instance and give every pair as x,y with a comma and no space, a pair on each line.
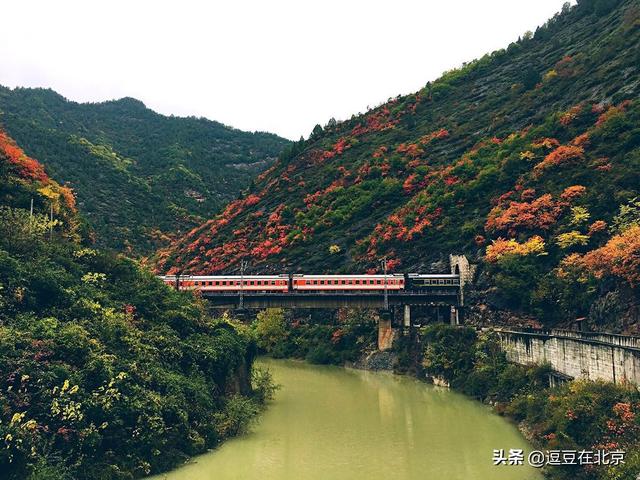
619,257
30,170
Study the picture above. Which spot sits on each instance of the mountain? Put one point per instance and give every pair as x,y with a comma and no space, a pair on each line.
138,175
526,160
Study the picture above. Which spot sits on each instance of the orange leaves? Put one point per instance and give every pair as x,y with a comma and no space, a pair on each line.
380,151
581,140
570,115
426,139
619,257
412,150
251,200
540,214
562,154
572,192
597,226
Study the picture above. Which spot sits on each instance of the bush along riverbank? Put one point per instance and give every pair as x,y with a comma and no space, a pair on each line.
109,374
335,337
105,372
577,415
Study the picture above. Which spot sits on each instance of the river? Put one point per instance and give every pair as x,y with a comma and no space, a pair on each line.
331,423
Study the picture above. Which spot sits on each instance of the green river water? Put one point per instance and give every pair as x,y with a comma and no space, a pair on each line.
331,423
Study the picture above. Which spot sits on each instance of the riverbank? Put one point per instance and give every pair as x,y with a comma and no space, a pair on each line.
578,415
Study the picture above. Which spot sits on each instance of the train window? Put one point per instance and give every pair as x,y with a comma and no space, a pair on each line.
379,282
343,282
357,282
321,282
273,282
217,282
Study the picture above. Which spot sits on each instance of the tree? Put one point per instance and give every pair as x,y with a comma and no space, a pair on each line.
270,328
530,78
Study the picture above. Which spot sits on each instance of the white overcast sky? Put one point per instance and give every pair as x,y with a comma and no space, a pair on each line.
272,65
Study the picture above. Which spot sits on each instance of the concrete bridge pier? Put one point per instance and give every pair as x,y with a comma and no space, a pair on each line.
385,333
407,316
454,316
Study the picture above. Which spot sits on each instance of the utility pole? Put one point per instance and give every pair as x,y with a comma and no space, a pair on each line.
386,292
243,265
31,217
51,225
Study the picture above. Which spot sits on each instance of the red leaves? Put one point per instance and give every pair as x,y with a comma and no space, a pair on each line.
30,169
562,154
409,184
540,214
27,167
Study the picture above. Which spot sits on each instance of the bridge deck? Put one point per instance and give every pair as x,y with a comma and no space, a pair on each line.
436,297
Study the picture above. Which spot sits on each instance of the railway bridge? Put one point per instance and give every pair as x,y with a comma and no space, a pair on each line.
395,295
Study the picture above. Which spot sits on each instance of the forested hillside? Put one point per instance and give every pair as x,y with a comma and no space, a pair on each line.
526,160
106,372
138,175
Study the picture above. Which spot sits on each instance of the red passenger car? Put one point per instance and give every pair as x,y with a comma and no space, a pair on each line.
335,283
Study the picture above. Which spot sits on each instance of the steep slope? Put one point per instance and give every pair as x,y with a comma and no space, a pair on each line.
138,175
535,148
93,348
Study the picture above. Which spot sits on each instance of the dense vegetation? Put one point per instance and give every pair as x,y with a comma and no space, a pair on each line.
578,415
317,337
106,372
526,160
139,176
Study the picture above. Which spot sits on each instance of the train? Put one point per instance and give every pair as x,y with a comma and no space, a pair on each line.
302,283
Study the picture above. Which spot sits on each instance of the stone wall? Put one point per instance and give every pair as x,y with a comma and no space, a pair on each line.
613,358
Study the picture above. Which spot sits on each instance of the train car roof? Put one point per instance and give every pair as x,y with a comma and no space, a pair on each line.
373,275
225,277
433,275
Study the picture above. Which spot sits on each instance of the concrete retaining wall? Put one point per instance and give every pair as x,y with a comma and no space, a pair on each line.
613,358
